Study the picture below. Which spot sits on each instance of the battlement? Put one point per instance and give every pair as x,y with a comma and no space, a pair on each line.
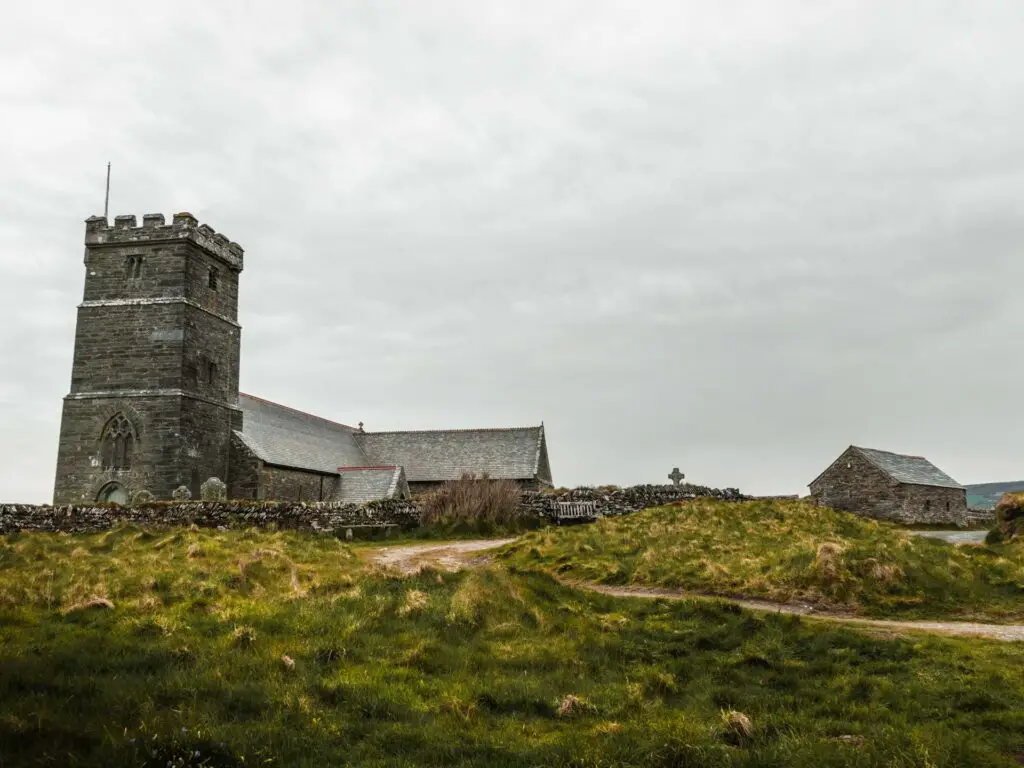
183,226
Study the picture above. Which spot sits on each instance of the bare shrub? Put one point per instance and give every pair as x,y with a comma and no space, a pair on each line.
474,500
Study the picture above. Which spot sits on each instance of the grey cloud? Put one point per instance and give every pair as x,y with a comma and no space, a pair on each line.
732,237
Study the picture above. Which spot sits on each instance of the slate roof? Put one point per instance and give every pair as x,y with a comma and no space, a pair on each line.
435,455
361,484
289,438
914,470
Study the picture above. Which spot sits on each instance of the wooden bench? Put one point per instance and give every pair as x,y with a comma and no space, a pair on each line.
574,511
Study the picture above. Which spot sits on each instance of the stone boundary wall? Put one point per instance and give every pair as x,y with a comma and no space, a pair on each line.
323,516
317,516
978,516
612,501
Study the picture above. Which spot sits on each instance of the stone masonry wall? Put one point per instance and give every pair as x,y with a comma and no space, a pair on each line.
282,484
321,516
244,475
854,484
927,504
419,487
612,501
157,340
310,517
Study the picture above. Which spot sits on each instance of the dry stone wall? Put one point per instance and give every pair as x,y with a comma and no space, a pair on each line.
216,514
612,501
322,516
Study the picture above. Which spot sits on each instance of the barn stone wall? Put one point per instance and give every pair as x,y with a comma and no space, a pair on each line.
931,504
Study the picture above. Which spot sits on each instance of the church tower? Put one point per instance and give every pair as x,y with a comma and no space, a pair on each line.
154,383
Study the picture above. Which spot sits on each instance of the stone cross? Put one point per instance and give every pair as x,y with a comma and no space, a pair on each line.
676,476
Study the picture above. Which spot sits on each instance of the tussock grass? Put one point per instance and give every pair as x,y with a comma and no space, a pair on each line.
221,656
786,551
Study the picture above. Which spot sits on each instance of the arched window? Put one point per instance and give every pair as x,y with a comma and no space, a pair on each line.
117,443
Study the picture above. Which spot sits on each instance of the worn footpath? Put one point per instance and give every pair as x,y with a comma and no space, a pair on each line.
453,556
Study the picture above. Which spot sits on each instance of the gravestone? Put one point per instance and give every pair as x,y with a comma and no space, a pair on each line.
676,476
141,497
181,493
213,489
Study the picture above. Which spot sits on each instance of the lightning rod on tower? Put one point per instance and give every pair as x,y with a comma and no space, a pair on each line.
106,199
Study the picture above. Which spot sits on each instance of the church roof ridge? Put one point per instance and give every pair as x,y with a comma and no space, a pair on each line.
296,410
890,453
448,431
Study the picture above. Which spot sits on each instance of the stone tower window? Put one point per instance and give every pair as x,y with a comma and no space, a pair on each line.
213,279
117,443
133,267
211,373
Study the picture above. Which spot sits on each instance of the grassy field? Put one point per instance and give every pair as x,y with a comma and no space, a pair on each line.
140,648
787,550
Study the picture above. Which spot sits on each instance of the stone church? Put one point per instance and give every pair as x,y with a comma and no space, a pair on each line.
154,402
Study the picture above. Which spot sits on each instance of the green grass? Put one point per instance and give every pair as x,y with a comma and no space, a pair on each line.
785,551
491,668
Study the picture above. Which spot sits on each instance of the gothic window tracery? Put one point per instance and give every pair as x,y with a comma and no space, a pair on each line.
117,443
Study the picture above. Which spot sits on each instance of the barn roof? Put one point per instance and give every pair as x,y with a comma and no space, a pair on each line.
511,453
289,438
901,468
913,470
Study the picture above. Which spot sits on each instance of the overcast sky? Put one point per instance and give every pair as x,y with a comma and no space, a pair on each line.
734,237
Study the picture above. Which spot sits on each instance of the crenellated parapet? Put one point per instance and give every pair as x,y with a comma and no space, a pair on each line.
183,226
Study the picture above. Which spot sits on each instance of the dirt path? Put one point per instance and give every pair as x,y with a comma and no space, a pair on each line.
1005,632
455,555
450,556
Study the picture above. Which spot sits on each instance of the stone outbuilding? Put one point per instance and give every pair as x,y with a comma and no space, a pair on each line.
890,486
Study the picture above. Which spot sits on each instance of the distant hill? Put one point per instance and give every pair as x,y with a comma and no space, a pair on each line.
985,495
